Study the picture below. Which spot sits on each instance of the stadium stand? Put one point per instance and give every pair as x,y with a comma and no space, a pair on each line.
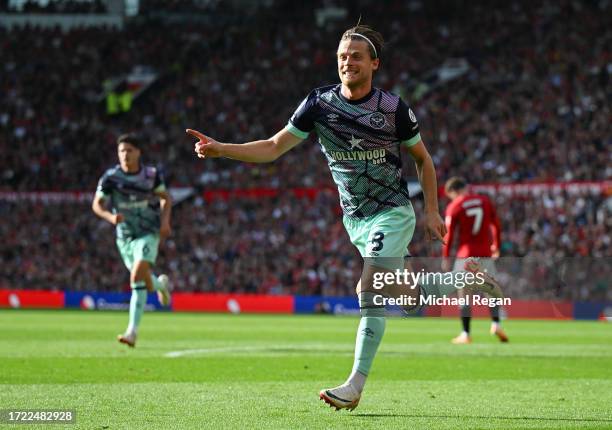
532,106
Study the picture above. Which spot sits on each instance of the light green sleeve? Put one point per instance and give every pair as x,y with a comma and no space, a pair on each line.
296,131
412,141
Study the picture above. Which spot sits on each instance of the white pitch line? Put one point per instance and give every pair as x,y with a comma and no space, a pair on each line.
262,348
174,354
595,350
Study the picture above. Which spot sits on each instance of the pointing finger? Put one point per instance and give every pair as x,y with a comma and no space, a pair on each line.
196,134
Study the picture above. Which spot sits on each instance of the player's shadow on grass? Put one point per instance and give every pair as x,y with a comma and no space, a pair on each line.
481,417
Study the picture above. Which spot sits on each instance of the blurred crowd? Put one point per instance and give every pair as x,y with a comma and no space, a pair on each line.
533,106
54,6
538,78
152,7
289,245
279,245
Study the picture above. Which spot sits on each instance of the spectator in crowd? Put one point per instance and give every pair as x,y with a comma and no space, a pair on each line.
533,106
538,78
289,245
55,6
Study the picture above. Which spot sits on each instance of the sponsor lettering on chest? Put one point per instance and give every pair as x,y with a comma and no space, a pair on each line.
376,156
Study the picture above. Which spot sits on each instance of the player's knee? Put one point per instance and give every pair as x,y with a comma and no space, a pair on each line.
140,271
134,276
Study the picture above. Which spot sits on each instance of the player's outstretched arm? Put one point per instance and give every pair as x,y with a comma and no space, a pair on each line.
98,207
435,228
259,151
165,204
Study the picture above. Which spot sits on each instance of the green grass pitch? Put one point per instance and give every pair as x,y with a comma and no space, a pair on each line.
253,371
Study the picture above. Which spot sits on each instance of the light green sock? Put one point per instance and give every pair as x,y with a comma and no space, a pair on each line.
156,284
137,305
369,334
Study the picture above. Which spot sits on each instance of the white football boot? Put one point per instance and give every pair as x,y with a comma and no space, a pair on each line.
163,295
128,339
343,397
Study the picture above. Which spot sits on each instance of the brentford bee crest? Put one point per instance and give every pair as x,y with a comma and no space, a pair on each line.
377,120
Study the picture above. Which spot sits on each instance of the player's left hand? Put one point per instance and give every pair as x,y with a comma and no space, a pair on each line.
165,231
434,227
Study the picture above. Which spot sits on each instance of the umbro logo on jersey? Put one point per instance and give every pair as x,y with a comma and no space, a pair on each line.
332,117
377,120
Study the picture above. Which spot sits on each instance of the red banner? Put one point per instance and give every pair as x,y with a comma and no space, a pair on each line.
31,299
233,303
310,193
537,189
519,309
510,190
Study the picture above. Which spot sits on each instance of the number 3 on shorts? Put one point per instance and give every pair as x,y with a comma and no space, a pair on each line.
377,241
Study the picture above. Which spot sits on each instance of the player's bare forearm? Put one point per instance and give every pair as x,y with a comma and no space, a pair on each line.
165,203
429,183
103,213
99,210
497,234
427,176
259,151
434,226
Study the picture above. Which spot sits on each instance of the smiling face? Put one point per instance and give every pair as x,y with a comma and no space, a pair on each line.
355,64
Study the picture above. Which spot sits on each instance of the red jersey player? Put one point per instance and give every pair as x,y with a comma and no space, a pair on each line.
472,221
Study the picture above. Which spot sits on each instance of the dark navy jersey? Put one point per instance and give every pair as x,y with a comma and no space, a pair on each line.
134,196
361,140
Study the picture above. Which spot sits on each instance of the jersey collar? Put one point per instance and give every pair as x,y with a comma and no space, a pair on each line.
364,99
137,172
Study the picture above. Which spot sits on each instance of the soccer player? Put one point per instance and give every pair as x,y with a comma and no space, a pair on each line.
472,221
361,130
137,195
